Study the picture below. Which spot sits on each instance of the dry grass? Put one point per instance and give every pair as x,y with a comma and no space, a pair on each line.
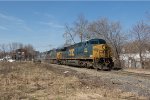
28,81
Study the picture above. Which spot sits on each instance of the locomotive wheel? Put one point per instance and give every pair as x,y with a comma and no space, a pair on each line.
88,66
80,64
85,65
95,66
109,67
101,67
65,62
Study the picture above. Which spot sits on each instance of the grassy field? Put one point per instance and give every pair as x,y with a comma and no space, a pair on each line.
29,81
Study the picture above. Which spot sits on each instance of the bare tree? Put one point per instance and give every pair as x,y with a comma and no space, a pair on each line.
81,28
30,51
141,32
148,42
3,50
68,35
111,32
13,46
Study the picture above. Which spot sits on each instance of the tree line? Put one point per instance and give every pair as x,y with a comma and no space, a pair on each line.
11,48
112,32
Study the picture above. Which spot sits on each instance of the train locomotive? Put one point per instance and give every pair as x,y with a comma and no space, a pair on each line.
94,53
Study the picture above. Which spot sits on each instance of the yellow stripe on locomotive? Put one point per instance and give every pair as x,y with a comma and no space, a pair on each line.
59,55
101,51
71,52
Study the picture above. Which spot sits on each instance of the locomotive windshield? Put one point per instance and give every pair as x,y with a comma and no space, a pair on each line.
94,42
97,41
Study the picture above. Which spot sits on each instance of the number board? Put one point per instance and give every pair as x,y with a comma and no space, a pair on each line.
71,52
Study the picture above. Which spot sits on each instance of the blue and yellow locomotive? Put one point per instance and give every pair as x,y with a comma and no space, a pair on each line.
93,53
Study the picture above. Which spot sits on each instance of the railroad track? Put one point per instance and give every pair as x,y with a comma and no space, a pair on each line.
132,74
121,72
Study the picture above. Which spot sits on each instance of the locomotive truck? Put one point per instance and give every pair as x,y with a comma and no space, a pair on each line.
93,53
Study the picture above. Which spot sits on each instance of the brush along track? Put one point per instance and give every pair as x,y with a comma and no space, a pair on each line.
119,72
122,80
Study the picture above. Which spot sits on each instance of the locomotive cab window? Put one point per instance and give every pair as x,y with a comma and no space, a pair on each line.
94,42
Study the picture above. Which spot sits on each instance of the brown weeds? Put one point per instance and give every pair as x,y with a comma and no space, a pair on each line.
29,81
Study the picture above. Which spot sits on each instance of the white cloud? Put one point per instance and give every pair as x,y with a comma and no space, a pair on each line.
52,24
48,15
44,14
10,18
49,20
13,23
3,28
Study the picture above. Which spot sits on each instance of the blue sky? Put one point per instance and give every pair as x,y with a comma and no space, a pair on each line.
42,23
